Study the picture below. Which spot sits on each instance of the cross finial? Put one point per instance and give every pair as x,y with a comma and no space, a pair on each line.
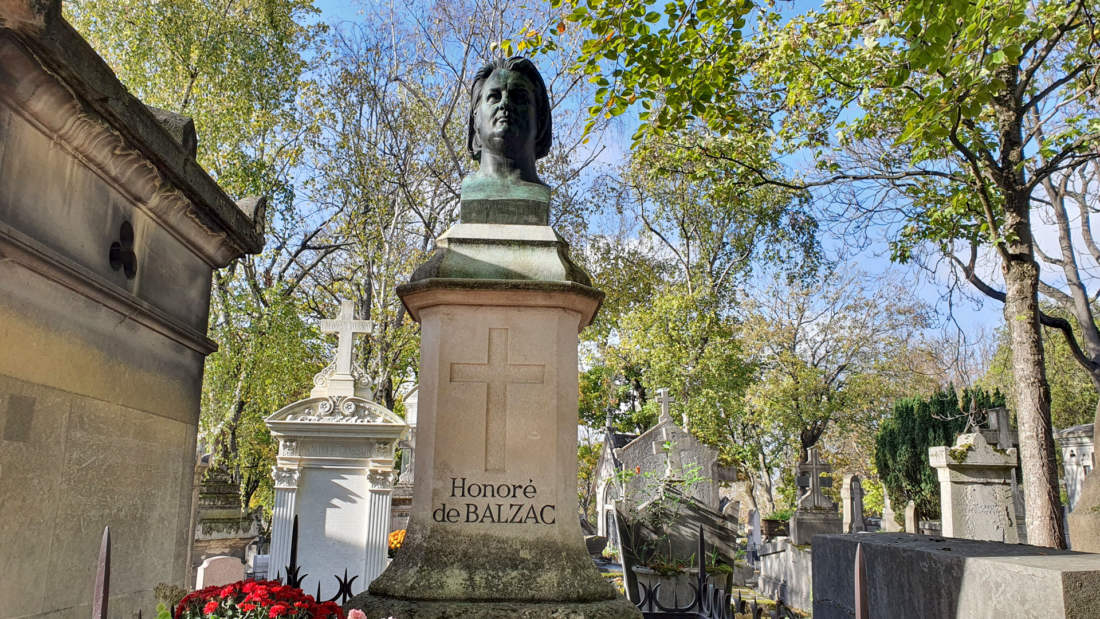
665,401
345,326
809,478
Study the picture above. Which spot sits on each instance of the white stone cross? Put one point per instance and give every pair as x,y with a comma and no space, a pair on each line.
345,326
497,374
665,401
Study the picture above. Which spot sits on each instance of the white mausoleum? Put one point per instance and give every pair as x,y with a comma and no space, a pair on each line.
335,473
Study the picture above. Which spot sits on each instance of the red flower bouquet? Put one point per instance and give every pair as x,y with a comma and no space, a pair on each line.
255,599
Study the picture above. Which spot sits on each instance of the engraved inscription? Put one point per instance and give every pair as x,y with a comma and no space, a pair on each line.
500,503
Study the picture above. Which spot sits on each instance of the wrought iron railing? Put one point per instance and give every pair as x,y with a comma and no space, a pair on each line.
708,601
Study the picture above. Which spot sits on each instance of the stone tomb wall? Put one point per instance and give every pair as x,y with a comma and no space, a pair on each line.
101,363
923,577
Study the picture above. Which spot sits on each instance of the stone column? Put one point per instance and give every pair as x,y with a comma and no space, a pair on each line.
976,489
378,523
282,520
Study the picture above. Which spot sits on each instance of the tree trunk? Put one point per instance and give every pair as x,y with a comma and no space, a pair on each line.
766,481
1040,474
1021,274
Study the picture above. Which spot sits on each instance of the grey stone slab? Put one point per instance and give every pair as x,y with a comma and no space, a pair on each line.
922,577
786,573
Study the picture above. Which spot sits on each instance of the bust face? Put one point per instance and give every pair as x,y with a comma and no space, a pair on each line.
506,115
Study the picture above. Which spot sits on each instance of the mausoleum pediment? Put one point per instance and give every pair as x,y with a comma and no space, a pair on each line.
341,410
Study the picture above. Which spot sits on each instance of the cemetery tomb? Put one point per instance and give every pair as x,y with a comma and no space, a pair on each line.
109,233
645,453
926,577
911,517
851,495
976,498
401,501
1082,487
816,513
1077,448
218,571
889,517
334,472
221,527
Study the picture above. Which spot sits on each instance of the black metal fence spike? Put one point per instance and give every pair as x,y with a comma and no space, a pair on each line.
293,577
102,587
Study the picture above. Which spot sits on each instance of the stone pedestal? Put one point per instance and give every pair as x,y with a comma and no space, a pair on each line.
976,499
806,523
493,530
494,508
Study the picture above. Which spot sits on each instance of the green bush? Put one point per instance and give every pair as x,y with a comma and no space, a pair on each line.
901,446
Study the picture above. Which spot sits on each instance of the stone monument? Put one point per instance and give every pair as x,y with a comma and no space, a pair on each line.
976,499
109,233
816,513
334,471
1082,486
911,517
851,496
401,502
889,517
493,530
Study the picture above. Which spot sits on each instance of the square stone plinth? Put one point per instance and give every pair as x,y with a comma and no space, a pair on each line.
494,508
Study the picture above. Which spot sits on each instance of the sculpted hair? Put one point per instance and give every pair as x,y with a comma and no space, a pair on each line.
526,68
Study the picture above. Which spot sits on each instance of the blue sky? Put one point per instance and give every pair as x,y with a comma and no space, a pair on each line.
976,316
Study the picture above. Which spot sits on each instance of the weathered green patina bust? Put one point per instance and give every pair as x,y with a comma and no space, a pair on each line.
509,129
504,228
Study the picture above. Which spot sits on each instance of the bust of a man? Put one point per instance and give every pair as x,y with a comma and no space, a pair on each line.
509,122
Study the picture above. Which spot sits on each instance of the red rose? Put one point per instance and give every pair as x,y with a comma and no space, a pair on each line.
210,607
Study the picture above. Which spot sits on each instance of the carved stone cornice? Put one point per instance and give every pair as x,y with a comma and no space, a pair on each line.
145,164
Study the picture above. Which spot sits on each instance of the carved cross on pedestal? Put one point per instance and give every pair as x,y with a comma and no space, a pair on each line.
345,326
497,374
809,479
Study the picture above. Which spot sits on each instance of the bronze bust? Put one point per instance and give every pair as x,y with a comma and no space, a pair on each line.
509,125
